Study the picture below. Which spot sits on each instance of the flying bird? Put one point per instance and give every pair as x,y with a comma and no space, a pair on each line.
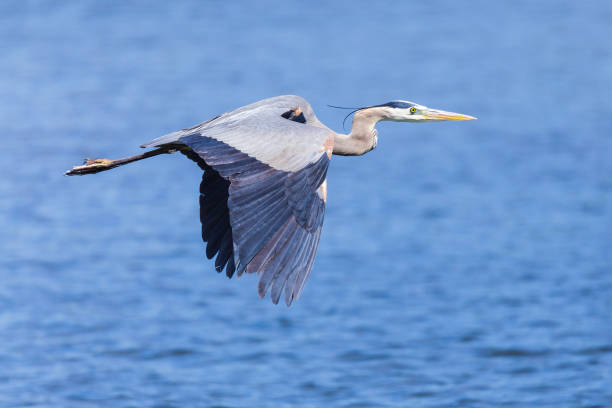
264,187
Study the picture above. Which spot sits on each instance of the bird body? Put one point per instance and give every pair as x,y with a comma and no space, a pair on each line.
263,192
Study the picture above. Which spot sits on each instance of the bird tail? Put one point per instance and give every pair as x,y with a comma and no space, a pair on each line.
91,166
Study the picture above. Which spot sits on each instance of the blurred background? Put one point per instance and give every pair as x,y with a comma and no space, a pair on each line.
461,264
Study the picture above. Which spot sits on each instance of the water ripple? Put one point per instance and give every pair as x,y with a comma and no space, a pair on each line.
512,352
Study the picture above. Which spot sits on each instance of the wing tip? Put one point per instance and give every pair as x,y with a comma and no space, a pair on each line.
262,290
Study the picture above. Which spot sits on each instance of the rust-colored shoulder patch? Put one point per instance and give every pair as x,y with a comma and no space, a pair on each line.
295,115
328,146
322,191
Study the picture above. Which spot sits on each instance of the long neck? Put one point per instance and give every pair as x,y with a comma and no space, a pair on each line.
363,136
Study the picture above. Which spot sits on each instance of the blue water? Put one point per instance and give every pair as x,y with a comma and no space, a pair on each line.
461,264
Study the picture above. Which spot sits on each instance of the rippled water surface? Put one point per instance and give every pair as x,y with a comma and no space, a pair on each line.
461,264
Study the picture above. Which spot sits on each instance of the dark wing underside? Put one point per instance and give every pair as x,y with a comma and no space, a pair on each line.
214,216
256,218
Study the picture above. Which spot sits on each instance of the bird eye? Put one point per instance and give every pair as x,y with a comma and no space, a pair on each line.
412,110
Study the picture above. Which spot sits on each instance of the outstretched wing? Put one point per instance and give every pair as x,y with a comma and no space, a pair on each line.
263,191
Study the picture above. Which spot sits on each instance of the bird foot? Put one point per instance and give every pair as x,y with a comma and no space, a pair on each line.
90,166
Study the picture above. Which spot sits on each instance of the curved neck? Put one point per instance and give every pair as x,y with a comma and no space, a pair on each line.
363,136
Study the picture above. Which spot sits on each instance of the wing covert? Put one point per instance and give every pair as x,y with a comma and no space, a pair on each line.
260,130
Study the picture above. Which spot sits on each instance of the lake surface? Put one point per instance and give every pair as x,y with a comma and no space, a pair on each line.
461,264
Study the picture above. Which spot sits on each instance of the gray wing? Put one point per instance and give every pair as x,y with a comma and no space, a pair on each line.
263,194
260,130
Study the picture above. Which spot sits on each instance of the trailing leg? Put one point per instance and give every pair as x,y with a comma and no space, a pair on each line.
91,166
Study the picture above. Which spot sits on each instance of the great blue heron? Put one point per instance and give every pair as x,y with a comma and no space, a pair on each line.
263,192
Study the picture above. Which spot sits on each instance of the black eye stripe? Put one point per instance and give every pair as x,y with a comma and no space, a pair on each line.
396,104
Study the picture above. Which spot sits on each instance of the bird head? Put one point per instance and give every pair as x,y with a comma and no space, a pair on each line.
405,111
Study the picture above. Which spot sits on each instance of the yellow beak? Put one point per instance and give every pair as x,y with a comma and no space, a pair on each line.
435,114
